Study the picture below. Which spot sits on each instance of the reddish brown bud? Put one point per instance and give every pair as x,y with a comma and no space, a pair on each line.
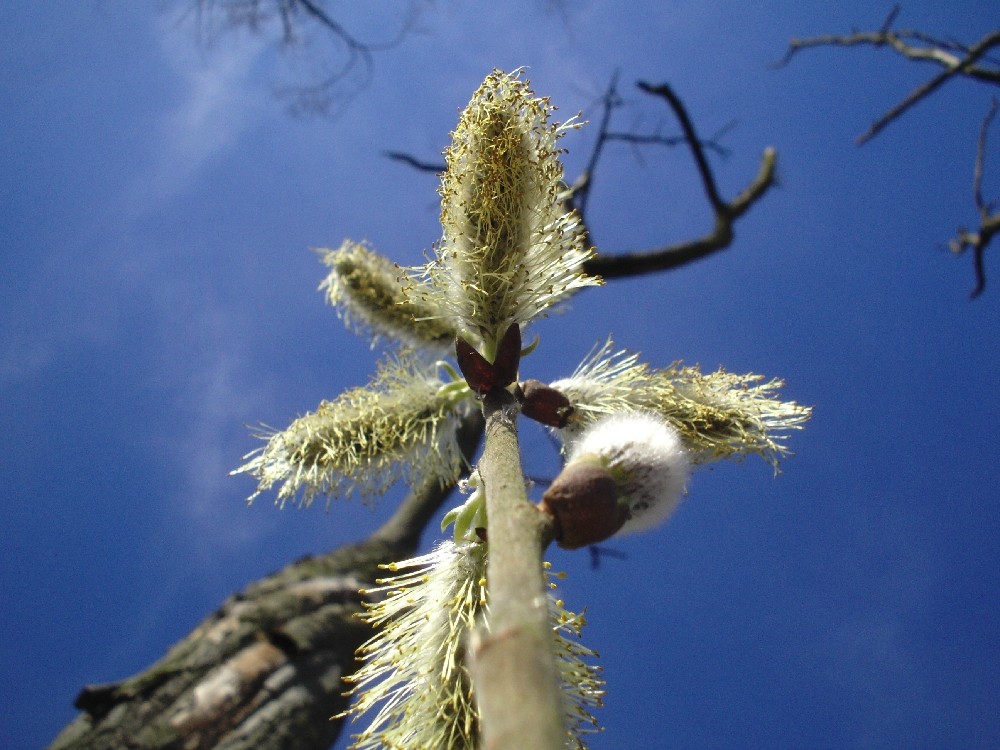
583,500
508,357
477,370
483,376
544,404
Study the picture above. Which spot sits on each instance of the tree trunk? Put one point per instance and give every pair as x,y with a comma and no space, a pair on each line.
265,671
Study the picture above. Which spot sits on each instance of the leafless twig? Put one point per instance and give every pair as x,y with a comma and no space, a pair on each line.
658,139
989,218
726,213
578,194
957,60
340,79
418,164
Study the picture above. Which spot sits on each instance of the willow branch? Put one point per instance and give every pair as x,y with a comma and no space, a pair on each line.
511,659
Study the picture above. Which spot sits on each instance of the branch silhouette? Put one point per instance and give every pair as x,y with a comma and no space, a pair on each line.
957,60
340,79
726,213
989,219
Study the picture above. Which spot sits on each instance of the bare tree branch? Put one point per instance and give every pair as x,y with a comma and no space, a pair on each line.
658,139
726,214
958,68
707,178
989,218
410,160
293,19
578,194
956,59
675,255
909,43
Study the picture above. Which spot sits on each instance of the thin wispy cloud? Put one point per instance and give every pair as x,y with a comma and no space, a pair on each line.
96,273
219,100
208,373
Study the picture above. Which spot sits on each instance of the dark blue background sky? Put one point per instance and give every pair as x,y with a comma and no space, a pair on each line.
158,293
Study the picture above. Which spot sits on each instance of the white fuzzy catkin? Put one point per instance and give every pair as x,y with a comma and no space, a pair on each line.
645,456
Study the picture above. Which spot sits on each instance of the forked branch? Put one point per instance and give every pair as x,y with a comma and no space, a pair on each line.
956,60
341,76
726,213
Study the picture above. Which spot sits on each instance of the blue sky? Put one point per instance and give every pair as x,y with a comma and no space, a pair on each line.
158,206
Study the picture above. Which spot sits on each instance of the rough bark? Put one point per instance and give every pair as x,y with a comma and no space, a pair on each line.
265,671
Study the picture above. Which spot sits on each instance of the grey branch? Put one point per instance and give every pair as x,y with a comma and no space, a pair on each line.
911,44
989,218
578,193
265,671
957,60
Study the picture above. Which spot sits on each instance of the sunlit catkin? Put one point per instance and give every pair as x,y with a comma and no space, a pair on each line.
414,678
718,415
509,248
401,426
368,291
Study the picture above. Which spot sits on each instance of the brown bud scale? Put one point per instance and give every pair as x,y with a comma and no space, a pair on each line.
583,500
544,404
